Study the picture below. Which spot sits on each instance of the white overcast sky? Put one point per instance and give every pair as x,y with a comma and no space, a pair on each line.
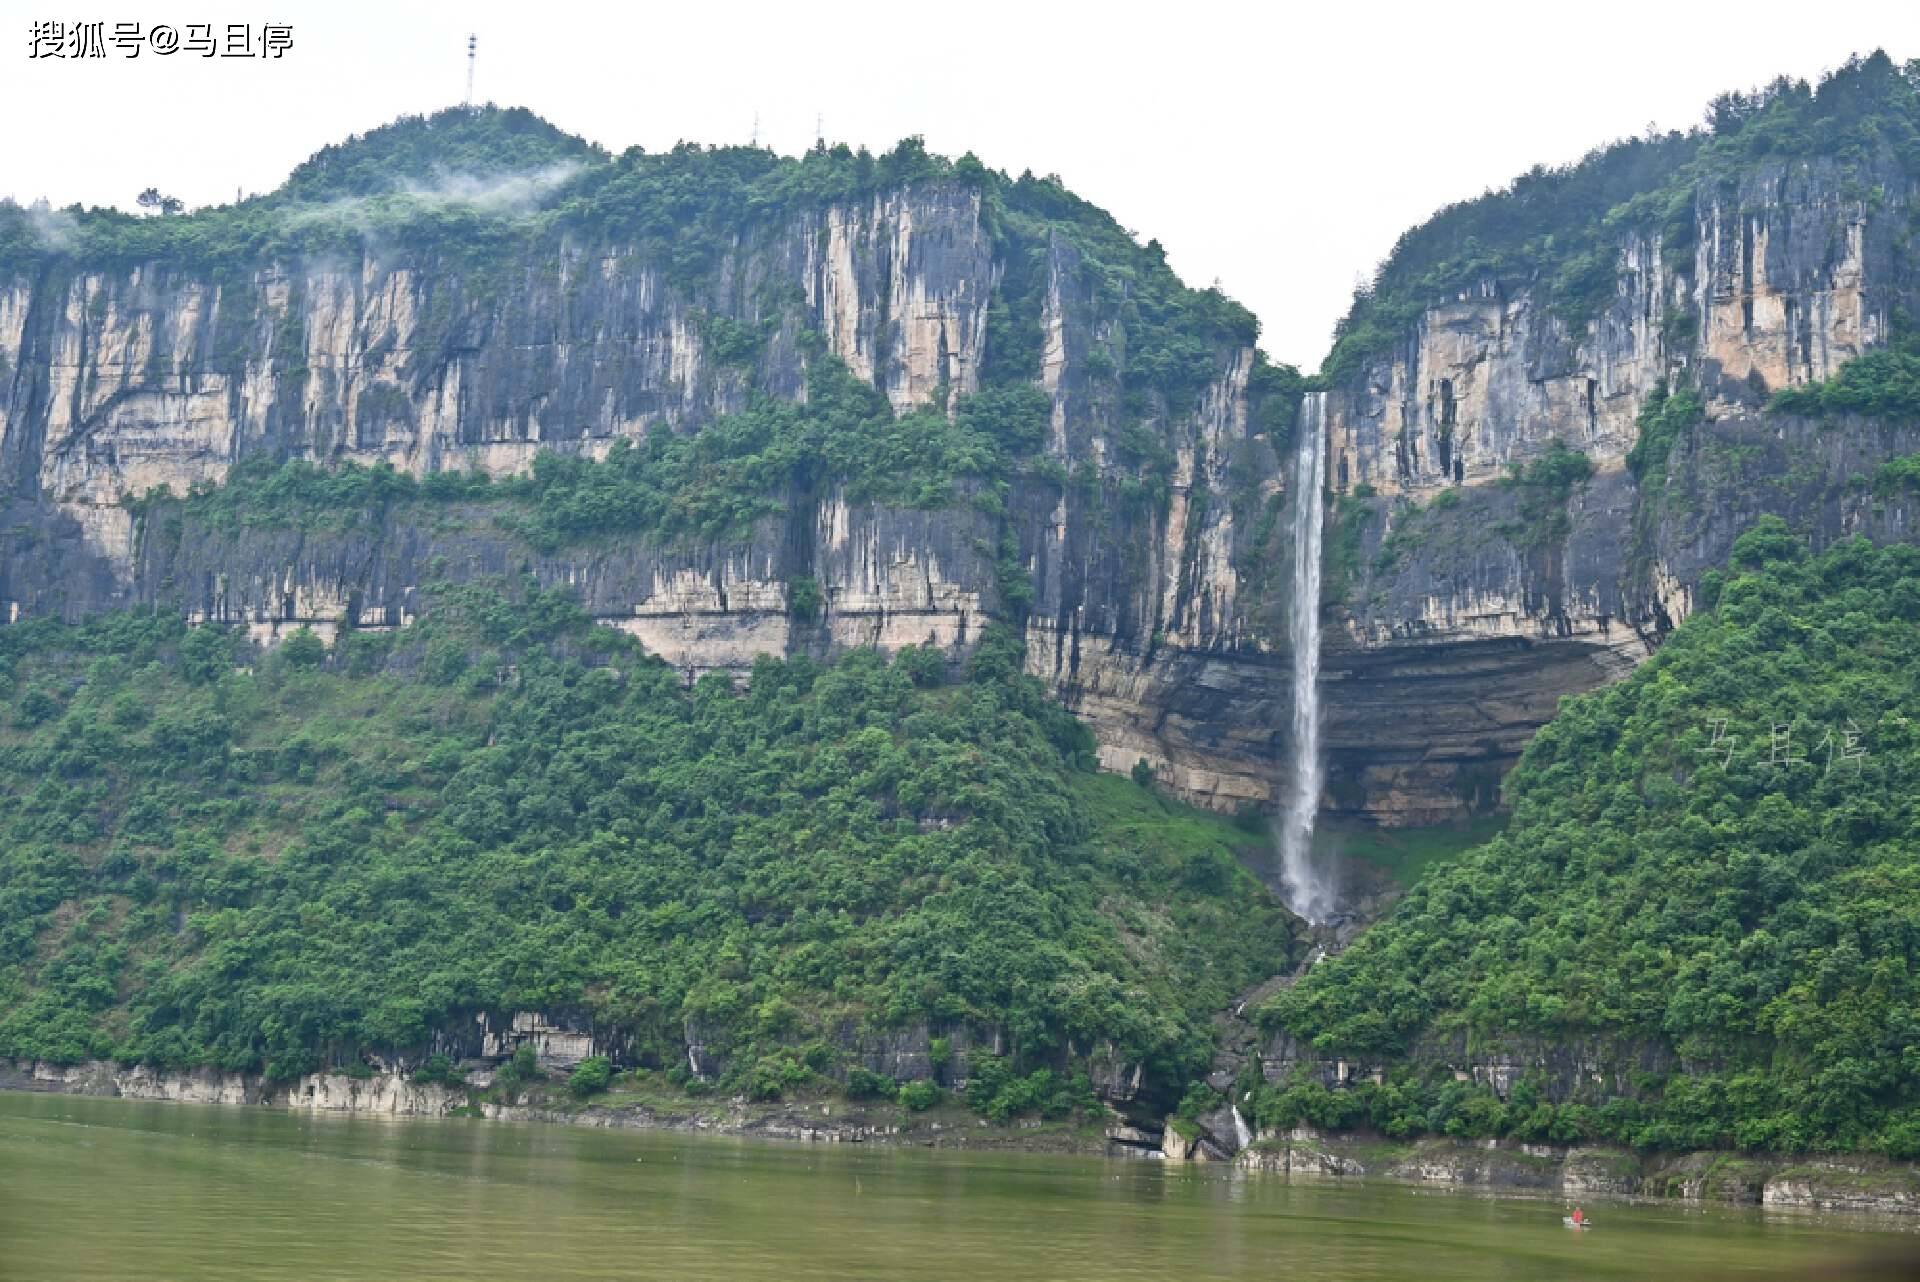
1279,149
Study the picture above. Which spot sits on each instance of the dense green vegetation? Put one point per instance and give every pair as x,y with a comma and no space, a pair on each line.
1558,231
1543,486
1719,857
717,481
710,484
261,493
1664,418
1884,384
420,153
1902,472
280,862
477,185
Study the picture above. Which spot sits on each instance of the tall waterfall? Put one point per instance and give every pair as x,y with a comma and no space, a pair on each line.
1309,890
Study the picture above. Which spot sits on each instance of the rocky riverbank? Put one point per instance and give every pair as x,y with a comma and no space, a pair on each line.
1813,1181
637,1107
1818,1182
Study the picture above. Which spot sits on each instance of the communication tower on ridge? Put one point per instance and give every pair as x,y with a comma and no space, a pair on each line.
472,41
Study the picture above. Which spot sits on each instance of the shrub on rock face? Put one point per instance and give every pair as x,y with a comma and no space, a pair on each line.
918,1097
591,1077
521,1068
206,654
865,1084
303,649
439,1070
805,598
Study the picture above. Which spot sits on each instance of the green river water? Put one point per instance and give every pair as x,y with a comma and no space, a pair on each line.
113,1189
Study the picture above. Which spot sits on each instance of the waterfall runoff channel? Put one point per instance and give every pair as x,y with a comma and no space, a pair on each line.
1309,890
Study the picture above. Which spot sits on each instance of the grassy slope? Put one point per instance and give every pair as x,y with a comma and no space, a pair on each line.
1405,855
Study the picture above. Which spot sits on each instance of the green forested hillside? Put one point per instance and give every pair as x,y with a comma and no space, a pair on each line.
207,856
1718,859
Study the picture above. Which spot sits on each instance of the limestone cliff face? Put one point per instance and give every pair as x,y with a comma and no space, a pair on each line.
1161,621
1789,275
114,383
120,382
1472,626
123,382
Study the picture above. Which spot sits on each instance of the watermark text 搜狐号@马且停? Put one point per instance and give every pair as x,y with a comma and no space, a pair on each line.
77,41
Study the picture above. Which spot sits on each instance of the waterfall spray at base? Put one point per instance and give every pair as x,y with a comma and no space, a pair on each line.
1309,891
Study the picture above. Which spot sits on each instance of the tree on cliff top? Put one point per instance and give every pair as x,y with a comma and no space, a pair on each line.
152,201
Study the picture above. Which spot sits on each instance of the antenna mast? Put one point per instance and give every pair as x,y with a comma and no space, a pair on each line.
471,42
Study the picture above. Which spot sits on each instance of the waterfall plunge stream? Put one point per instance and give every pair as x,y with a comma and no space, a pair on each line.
1309,891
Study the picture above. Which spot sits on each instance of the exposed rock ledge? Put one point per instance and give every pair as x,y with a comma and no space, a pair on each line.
1819,1182
393,1094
